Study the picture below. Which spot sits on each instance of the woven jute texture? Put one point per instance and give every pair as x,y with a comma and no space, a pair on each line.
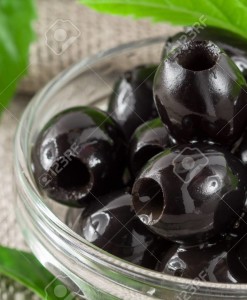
66,33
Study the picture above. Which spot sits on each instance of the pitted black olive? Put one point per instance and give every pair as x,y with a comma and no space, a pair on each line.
79,154
110,223
191,193
201,94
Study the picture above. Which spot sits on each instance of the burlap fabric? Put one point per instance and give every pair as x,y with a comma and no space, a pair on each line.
48,56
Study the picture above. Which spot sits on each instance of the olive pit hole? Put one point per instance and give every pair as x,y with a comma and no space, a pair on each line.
198,56
74,176
148,200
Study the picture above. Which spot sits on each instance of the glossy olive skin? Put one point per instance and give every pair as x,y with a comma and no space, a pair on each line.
148,140
237,259
110,223
79,154
204,263
191,193
131,103
195,98
233,44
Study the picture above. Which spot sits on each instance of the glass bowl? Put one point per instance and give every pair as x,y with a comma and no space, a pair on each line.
84,268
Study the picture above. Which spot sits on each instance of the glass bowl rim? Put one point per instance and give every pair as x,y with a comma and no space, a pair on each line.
109,261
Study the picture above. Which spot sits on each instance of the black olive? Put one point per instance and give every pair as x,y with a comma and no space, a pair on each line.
148,140
191,193
131,103
79,154
201,94
110,223
202,262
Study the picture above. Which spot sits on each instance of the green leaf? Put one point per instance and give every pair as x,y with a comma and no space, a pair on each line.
26,269
16,34
231,15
